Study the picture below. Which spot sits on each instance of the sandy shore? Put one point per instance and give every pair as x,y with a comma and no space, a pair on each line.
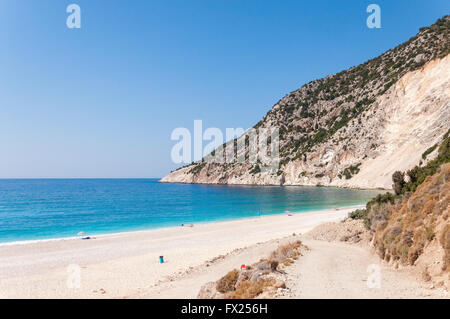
127,265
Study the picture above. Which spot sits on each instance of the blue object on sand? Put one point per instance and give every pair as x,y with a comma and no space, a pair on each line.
161,259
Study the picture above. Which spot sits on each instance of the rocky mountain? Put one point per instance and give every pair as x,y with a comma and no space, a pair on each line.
355,128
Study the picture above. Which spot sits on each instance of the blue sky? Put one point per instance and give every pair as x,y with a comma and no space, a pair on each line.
102,101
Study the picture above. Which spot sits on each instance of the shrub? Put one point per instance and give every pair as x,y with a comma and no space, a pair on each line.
399,182
418,174
361,214
197,168
429,151
286,251
382,199
351,170
255,170
249,290
377,212
358,214
227,283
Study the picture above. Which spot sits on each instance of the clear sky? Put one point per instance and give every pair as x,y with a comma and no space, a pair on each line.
102,101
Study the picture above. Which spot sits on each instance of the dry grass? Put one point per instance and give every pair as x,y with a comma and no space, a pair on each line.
227,283
445,242
250,290
287,251
238,285
416,221
288,262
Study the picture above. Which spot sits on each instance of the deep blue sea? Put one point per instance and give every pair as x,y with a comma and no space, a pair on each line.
54,208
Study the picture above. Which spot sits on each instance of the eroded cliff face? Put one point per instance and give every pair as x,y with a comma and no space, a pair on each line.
356,128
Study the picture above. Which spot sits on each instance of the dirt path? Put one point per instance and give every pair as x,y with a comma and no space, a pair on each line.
339,270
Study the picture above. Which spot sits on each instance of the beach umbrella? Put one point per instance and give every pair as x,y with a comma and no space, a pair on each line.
81,233
287,211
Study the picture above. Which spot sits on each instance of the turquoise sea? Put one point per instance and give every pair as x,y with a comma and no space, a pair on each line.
55,208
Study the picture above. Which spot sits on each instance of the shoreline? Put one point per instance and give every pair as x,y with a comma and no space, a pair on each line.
127,264
118,233
281,185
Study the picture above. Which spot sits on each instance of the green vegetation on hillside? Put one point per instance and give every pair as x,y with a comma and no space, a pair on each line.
412,223
350,92
322,111
429,151
375,208
350,171
404,223
418,174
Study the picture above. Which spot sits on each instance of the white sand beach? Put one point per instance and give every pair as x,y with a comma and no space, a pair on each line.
127,265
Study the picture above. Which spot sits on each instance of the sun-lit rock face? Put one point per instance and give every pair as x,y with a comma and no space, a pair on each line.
355,128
